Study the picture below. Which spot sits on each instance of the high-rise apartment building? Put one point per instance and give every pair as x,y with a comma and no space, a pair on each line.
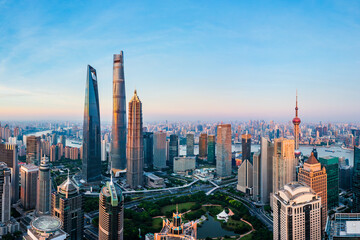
91,164
118,142
356,180
135,144
111,212
32,149
312,175
43,199
148,149
190,144
211,149
266,170
203,145
173,148
331,165
159,150
67,205
223,150
296,213
54,153
284,163
28,189
9,155
246,147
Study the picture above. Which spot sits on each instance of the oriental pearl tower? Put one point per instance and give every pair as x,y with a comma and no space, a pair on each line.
296,122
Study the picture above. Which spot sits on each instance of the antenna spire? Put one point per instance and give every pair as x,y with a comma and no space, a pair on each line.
177,209
296,108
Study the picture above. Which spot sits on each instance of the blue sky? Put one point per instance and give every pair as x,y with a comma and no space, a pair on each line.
188,60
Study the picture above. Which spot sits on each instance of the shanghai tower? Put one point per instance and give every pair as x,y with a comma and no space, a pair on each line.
91,164
118,143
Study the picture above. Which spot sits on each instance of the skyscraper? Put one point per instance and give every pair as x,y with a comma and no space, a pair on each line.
148,149
32,149
245,177
284,167
28,189
211,149
111,212
203,145
246,147
135,144
331,165
91,164
356,180
296,213
9,155
43,203
159,150
256,176
5,188
118,142
315,177
266,170
190,144
173,148
223,150
296,122
67,205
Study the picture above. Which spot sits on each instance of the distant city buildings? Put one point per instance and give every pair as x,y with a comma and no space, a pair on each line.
223,151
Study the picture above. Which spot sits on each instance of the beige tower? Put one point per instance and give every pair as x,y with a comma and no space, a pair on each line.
315,177
135,147
284,163
296,213
223,150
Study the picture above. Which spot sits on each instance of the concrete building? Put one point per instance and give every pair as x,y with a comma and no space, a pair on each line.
28,189
296,213
331,165
135,147
46,227
159,150
190,139
284,163
312,175
148,149
111,212
223,151
9,155
118,142
43,194
343,226
245,177
203,145
184,164
173,149
211,149
153,181
246,147
67,205
91,164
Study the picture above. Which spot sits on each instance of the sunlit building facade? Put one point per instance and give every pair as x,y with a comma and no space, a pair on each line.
203,145
223,151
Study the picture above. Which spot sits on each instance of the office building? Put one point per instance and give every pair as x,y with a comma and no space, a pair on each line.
46,227
266,170
211,149
331,165
190,144
223,150
284,163
203,145
28,189
43,199
9,155
245,177
103,150
312,175
159,139
153,181
296,213
177,230
296,122
346,178
91,164
32,149
343,226
356,180
118,142
148,149
184,164
135,144
256,180
246,147
67,205
173,149
111,212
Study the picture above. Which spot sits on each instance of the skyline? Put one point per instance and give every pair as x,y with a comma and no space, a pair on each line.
244,62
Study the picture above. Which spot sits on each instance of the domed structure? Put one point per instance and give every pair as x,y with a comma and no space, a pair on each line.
296,120
67,188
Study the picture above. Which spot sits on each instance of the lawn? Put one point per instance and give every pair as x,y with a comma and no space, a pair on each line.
181,206
157,223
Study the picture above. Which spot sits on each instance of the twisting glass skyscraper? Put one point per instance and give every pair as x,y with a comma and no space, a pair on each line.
118,143
91,165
